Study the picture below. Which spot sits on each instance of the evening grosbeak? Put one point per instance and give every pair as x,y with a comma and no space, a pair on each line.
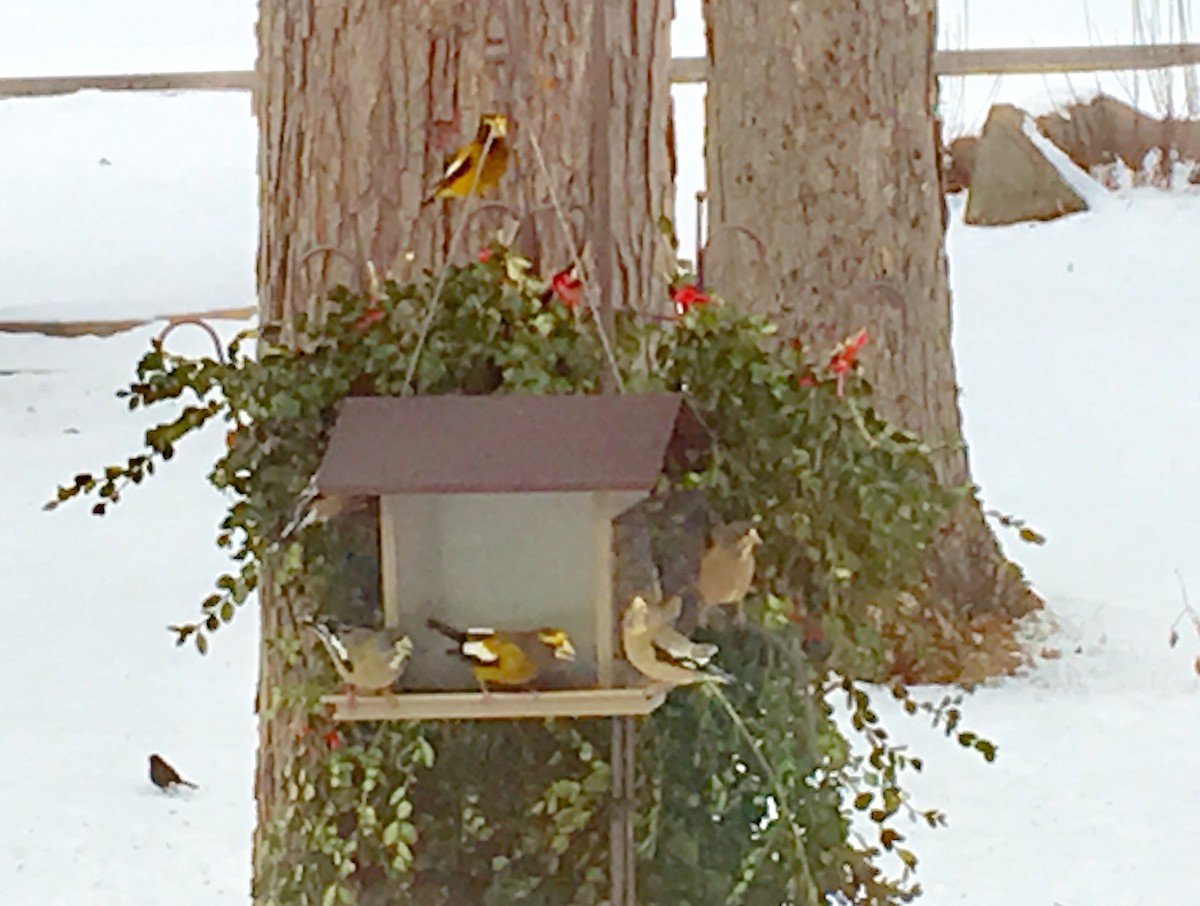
667,638
367,660
312,506
489,146
504,658
659,652
727,567
165,777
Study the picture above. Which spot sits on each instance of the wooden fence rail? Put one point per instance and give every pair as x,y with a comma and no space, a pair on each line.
1000,61
1013,61
40,86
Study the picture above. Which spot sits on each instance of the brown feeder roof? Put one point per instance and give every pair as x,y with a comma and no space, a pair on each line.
465,444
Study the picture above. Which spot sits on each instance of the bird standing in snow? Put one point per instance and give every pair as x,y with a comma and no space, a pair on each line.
480,163
367,660
165,777
505,658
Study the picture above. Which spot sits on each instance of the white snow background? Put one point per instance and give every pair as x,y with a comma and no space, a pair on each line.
1075,345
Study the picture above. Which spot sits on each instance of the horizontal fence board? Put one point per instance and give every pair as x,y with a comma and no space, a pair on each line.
684,70
45,86
1042,60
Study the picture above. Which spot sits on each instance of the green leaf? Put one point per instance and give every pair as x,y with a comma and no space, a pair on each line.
284,406
891,799
848,507
986,749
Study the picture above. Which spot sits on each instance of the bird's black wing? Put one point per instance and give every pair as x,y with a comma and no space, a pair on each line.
458,167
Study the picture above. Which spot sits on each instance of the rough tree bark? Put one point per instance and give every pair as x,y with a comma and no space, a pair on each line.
358,103
822,140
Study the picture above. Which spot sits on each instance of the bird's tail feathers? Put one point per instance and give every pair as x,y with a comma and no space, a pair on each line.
330,640
456,635
714,674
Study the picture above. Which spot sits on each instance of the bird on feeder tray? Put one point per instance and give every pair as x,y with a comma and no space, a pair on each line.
662,620
727,567
660,652
165,777
367,660
503,658
480,163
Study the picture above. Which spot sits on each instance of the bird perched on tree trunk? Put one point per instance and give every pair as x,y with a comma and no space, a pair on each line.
165,777
660,652
367,660
504,658
477,165
727,567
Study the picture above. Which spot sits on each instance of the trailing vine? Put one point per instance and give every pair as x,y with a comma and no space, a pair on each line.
745,797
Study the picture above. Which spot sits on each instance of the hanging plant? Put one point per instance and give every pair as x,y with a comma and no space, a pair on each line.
744,797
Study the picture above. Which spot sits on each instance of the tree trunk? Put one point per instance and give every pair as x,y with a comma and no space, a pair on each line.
822,141
358,104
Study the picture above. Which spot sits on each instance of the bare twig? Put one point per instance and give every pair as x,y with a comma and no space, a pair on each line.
1187,611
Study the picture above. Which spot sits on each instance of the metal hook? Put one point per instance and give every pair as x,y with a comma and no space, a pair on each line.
357,263
703,247
488,206
199,322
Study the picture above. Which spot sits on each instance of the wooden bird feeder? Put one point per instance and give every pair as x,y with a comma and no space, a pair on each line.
498,511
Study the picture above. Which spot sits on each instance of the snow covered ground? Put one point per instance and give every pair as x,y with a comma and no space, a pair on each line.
124,205
1075,343
93,681
1081,400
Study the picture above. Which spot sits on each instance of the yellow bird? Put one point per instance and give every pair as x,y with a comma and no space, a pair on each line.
369,660
727,567
660,652
479,163
503,658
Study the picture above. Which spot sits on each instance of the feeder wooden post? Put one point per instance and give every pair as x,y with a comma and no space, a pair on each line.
602,602
622,877
389,570
600,70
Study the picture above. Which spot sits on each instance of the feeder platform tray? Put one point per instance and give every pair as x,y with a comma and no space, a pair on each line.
635,702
